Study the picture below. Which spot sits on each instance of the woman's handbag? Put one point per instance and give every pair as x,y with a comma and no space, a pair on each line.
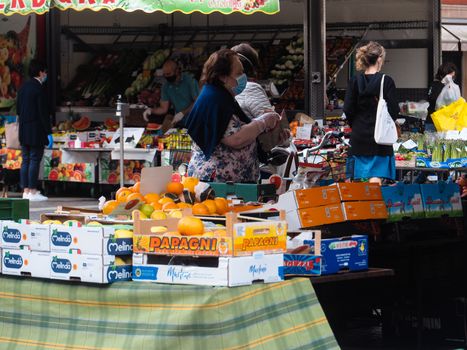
385,128
12,135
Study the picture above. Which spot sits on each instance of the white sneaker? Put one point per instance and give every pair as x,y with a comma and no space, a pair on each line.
26,195
37,197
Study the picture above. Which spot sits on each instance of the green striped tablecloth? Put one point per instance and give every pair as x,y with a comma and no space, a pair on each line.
40,314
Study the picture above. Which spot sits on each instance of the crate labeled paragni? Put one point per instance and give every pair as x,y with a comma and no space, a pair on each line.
237,238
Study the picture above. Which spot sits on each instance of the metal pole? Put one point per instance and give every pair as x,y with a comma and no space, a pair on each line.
119,115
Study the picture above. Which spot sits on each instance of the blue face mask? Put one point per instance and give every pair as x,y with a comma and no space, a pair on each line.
241,84
44,79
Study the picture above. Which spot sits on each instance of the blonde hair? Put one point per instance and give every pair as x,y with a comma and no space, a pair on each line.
368,55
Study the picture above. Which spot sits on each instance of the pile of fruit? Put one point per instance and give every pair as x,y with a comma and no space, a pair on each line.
160,206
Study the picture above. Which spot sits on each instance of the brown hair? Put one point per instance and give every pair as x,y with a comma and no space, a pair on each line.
218,65
248,56
368,55
445,69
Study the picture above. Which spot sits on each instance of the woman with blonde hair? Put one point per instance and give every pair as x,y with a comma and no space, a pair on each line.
371,161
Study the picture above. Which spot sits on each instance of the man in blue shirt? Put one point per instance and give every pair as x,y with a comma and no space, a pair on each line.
180,90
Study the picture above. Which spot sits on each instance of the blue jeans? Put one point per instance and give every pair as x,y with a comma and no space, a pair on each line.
32,157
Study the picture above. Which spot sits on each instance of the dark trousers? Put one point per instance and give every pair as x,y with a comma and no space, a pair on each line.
32,156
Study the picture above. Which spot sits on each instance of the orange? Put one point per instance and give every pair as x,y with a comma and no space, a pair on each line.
190,183
109,207
152,197
222,205
200,209
183,205
156,205
190,226
169,206
211,204
136,187
122,194
135,195
175,188
164,200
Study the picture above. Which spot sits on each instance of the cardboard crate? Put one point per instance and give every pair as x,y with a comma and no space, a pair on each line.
359,191
87,268
308,198
313,217
403,201
441,199
304,262
238,238
364,210
215,271
340,254
25,235
24,262
93,240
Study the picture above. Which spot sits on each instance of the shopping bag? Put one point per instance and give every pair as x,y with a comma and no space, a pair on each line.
12,135
450,93
385,128
447,118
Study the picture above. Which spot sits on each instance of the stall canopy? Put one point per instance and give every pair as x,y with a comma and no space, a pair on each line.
454,37
24,7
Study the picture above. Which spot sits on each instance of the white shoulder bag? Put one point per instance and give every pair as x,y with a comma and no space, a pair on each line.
385,128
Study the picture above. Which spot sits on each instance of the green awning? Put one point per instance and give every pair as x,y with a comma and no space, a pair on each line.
247,7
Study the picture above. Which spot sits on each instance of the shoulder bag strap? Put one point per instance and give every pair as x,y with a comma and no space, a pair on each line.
381,88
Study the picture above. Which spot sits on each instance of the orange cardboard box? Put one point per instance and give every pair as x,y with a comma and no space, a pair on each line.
308,198
359,191
364,210
311,217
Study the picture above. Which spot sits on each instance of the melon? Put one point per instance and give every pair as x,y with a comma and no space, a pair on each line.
82,124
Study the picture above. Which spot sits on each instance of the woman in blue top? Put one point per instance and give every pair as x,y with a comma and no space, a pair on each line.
224,137
371,161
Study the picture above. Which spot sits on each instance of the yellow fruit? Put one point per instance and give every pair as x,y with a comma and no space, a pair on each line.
142,216
52,222
190,183
158,229
190,226
71,223
152,197
137,196
183,205
220,233
176,214
200,209
208,234
122,194
156,205
94,223
158,215
123,234
119,261
222,206
211,205
169,206
164,200
175,188
109,207
136,187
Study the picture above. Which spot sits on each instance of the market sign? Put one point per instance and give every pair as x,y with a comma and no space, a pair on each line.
24,7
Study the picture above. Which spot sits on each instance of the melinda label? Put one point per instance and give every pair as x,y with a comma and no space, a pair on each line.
120,246
61,239
178,274
11,235
13,261
117,273
255,270
61,265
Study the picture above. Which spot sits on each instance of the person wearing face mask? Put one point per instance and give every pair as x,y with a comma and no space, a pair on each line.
179,91
224,138
34,128
371,161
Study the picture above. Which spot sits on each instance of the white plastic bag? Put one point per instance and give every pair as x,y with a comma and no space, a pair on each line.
450,93
385,128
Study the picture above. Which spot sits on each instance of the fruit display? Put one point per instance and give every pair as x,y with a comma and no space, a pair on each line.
10,159
336,50
290,63
109,170
177,140
14,57
98,82
82,124
55,170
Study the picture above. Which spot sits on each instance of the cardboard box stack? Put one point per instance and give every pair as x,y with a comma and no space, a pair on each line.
325,205
67,252
238,254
